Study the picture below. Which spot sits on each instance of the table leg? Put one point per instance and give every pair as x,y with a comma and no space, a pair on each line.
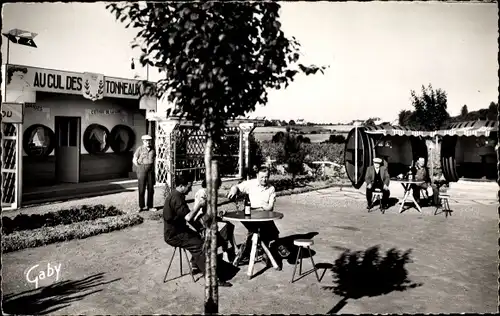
405,197
253,252
416,204
269,255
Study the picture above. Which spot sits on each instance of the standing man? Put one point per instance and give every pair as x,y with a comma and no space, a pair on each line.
377,177
144,159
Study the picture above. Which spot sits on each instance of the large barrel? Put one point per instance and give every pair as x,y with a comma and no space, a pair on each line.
397,151
468,150
448,158
365,155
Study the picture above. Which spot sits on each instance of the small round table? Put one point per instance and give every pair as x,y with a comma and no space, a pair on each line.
256,216
407,184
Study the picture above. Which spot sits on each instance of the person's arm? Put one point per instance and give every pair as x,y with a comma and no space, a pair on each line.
368,177
387,178
136,156
242,187
272,199
181,209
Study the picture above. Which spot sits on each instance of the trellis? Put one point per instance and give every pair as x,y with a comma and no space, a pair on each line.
10,168
180,147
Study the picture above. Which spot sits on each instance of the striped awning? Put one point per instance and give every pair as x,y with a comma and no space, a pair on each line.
470,128
394,130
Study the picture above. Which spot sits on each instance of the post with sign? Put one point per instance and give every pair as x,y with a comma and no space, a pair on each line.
12,119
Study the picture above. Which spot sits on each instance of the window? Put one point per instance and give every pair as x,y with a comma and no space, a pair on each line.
38,140
121,139
95,139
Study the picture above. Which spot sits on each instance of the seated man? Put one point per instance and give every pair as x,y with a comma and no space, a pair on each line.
226,229
421,174
377,177
262,197
176,231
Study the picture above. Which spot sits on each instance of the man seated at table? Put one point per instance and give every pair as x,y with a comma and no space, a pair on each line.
377,178
262,197
225,232
176,231
421,174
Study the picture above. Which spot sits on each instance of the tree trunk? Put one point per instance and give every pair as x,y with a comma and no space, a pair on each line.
211,293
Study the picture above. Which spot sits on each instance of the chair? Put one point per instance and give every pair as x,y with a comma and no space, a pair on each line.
444,198
377,195
303,243
180,265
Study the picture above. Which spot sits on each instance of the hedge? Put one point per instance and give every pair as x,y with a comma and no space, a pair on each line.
315,151
62,217
78,230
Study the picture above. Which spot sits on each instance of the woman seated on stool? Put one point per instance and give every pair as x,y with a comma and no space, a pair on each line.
225,229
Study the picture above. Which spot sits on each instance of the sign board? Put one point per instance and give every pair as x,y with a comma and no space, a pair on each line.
23,82
12,112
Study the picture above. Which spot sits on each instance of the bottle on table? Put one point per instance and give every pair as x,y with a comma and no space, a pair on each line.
247,207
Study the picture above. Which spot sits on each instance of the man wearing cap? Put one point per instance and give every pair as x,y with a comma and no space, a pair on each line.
144,159
377,177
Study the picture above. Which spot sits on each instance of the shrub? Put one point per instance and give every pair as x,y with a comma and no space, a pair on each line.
61,217
78,230
316,151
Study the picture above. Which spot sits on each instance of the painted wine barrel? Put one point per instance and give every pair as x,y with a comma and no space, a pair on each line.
356,173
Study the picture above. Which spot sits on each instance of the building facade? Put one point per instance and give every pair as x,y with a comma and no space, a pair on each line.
77,127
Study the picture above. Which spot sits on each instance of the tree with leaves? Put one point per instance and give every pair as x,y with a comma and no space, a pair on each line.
219,59
405,118
430,109
464,111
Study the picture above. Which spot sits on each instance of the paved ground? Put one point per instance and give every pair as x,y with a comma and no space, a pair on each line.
455,259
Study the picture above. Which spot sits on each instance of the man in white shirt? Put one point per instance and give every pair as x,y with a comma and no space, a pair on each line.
262,197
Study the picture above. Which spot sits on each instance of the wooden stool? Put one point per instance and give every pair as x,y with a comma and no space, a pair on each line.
180,265
303,243
444,199
377,195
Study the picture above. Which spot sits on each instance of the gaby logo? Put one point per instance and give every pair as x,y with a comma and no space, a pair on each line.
37,273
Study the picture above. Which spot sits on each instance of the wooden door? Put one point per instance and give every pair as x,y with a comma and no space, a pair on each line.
67,150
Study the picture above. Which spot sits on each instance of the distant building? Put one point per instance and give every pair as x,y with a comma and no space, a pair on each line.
300,122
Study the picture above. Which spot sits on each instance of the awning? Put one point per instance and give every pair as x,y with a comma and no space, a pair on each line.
394,130
470,128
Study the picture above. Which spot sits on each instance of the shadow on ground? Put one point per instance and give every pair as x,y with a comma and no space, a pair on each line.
357,274
51,298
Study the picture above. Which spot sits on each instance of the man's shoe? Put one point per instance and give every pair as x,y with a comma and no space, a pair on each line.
142,209
152,209
283,251
368,207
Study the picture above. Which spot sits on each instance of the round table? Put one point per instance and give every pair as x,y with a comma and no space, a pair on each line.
407,186
256,216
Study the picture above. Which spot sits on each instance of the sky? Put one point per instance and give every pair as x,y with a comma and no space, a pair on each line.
377,53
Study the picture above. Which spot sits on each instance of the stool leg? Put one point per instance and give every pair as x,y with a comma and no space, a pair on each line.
169,264
314,265
189,265
295,265
180,260
300,263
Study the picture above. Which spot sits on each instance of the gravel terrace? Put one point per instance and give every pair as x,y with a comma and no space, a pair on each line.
455,258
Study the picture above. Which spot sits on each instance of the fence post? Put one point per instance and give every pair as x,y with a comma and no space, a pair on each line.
246,128
165,153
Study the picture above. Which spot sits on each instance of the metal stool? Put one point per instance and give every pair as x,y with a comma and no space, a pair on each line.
377,195
303,243
180,265
444,198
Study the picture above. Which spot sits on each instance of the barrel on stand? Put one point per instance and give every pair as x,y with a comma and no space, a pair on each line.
398,146
468,150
